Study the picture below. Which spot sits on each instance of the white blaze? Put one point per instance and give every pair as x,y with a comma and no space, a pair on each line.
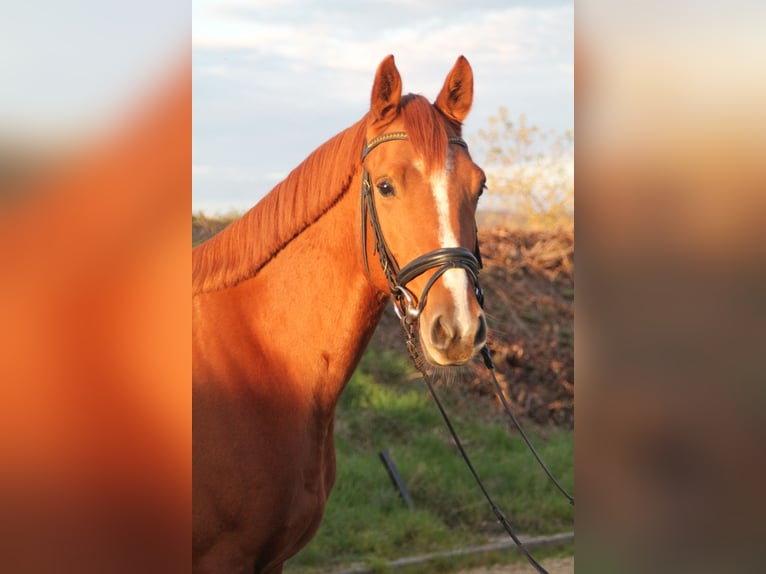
455,280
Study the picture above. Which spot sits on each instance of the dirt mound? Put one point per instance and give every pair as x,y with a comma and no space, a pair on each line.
528,280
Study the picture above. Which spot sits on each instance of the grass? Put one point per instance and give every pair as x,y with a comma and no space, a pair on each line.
386,407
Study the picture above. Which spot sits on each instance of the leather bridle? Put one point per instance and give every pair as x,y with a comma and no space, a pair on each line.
407,306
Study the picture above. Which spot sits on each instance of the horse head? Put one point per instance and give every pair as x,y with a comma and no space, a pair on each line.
420,192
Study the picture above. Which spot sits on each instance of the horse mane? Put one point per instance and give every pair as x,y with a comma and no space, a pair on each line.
242,249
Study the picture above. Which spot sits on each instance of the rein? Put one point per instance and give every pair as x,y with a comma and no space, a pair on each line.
408,309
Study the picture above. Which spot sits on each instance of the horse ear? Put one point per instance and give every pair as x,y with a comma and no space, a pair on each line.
456,97
386,92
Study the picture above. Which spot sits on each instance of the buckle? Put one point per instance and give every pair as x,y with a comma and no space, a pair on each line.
405,306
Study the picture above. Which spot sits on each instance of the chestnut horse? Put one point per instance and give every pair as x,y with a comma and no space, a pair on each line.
286,299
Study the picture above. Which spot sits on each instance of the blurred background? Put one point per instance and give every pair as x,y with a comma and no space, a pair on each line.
670,205
95,180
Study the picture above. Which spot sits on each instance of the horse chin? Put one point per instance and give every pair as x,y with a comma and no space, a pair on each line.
451,357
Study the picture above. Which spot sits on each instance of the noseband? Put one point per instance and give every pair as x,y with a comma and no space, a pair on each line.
407,306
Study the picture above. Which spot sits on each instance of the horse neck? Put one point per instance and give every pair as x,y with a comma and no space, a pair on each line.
304,320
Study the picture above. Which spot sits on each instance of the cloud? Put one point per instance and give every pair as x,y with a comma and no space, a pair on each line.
331,37
514,41
201,169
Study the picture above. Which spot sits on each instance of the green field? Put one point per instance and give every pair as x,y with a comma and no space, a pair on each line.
386,406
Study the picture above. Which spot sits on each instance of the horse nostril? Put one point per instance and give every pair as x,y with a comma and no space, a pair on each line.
441,334
455,342
481,331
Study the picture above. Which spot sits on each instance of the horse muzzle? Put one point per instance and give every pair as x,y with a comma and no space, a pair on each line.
452,327
448,341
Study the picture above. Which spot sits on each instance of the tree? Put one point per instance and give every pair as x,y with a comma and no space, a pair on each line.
530,172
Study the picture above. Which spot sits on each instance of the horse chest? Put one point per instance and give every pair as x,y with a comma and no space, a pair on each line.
261,491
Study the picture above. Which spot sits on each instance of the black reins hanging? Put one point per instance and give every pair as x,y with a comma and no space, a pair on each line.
408,308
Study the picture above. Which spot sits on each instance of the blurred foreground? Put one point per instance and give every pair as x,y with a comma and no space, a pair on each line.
95,408
670,283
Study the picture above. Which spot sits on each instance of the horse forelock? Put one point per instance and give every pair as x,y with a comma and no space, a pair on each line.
309,191
426,131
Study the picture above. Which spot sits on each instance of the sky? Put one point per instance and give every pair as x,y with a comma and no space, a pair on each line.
70,70
274,79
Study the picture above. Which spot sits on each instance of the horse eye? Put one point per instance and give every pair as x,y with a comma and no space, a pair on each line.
386,189
482,188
